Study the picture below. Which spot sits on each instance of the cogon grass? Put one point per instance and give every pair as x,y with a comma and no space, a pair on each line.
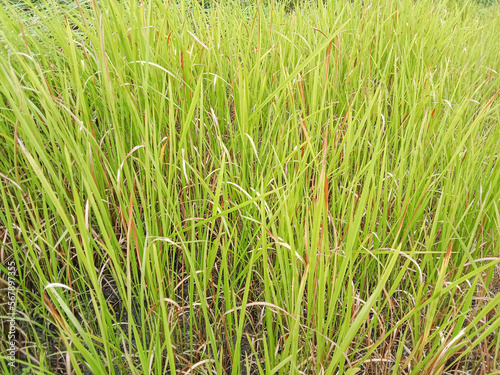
245,187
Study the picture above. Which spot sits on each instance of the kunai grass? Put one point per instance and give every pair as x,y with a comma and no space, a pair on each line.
240,187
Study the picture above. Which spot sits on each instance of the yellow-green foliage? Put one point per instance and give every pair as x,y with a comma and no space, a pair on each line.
235,186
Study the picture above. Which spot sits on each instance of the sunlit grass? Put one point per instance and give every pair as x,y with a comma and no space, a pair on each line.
248,187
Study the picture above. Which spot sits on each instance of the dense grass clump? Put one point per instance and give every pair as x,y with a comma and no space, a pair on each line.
250,188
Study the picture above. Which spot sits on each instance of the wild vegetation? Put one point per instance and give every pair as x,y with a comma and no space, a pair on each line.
240,187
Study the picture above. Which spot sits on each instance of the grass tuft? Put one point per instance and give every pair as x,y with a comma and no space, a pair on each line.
247,187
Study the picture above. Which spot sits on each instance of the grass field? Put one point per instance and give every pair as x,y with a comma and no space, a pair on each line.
241,187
